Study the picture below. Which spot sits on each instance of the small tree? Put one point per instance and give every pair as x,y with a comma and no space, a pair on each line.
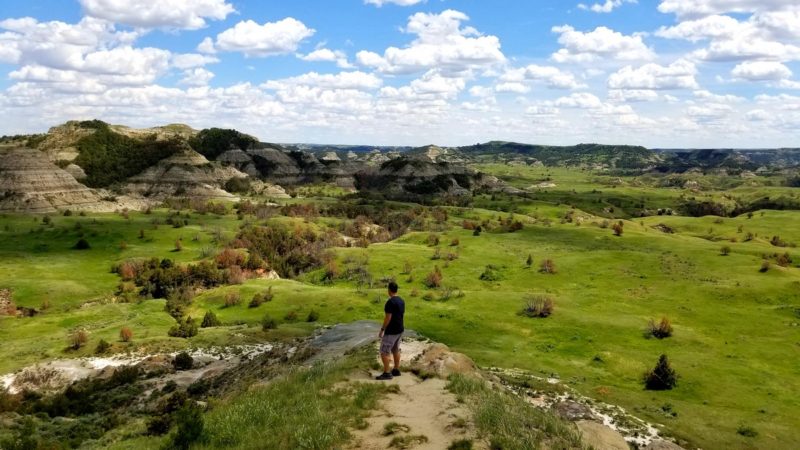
178,245
313,316
662,377
548,267
725,250
125,334
765,266
478,230
529,261
407,267
210,320
660,330
618,228
455,242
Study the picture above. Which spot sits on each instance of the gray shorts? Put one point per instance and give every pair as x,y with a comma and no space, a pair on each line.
390,343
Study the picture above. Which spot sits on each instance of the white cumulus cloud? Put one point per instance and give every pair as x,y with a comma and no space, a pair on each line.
261,40
606,7
601,43
184,14
678,75
441,43
761,71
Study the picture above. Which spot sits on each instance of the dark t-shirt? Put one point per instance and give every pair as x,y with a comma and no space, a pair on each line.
397,308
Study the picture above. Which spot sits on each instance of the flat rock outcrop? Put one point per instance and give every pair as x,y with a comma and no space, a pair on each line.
30,182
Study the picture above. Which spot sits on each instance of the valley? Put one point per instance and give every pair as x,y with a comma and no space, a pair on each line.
614,237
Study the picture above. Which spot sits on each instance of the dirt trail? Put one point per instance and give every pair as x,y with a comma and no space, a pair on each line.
426,408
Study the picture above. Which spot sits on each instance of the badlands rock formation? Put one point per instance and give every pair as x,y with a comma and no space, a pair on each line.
29,182
185,174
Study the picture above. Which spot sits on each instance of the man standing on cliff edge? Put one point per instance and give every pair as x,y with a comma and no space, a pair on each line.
391,332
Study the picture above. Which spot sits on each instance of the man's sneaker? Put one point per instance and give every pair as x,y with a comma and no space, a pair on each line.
395,373
384,376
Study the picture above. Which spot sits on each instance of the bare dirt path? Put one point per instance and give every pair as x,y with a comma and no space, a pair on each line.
420,408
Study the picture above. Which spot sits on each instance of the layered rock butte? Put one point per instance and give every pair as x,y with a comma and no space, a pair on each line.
29,182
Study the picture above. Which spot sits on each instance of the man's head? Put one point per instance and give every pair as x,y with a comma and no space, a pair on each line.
392,288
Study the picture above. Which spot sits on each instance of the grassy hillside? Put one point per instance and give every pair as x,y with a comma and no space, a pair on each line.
736,336
616,156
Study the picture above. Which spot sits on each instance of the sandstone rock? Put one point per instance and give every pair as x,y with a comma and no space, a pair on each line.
29,182
601,437
573,411
661,444
76,171
439,360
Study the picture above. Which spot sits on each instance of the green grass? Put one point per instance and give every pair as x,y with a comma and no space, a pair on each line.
735,345
507,421
304,409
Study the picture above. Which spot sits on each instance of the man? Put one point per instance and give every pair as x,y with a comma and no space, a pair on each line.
391,332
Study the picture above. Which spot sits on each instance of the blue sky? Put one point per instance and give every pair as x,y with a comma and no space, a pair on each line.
660,73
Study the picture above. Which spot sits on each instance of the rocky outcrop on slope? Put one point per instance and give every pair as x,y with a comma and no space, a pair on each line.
186,174
284,167
418,175
29,182
60,142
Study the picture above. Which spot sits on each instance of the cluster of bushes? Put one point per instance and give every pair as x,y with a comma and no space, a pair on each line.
504,224
213,142
92,408
108,157
290,252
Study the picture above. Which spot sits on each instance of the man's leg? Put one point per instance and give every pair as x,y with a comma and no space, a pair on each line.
396,355
386,358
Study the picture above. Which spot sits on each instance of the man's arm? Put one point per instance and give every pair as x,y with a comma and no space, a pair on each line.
386,321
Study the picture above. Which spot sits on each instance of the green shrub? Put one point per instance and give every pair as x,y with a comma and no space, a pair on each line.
210,320
268,323
746,431
291,316
463,444
185,328
662,377
183,361
102,347
313,316
491,273
189,420
82,244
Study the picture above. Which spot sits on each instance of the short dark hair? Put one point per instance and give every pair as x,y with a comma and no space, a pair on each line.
393,287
